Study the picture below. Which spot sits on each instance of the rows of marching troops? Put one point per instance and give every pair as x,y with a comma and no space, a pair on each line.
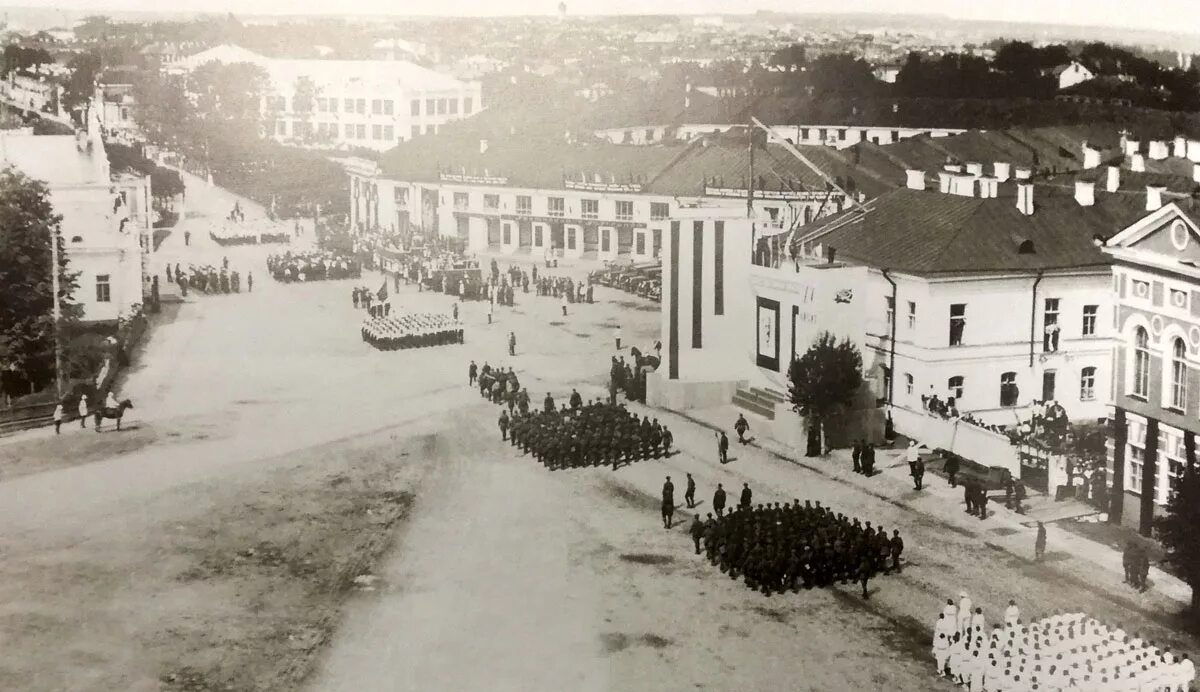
393,333
574,435
777,548
313,265
208,278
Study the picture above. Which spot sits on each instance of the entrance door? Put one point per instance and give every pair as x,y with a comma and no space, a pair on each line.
556,236
1048,379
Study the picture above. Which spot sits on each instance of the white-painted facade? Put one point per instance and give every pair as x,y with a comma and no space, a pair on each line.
835,136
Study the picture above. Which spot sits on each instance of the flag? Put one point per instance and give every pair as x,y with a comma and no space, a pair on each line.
383,292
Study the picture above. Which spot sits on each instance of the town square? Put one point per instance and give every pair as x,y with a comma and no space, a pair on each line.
533,385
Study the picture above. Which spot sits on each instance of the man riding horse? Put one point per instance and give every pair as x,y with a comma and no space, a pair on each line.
112,409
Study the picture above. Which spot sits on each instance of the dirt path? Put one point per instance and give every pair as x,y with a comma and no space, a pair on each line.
482,593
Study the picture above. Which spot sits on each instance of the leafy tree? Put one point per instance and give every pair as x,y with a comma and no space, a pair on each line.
230,94
162,110
27,226
304,100
1177,531
824,382
81,85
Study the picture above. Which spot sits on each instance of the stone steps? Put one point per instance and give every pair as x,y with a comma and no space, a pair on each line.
755,401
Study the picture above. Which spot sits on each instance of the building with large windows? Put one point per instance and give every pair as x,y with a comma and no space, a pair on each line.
372,104
1156,362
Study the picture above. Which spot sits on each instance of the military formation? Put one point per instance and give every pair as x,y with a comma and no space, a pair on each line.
397,332
313,265
208,279
576,433
786,547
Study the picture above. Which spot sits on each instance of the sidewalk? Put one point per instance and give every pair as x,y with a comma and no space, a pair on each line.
1005,530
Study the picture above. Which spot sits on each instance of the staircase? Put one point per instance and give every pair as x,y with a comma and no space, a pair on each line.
758,401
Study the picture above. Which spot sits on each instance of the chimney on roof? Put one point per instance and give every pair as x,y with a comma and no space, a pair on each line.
916,179
1132,146
1137,163
964,185
1091,157
988,187
1024,174
1003,170
1085,193
944,182
483,146
1196,172
1025,198
1114,179
1181,148
1158,150
1154,197
1193,150
953,168
975,169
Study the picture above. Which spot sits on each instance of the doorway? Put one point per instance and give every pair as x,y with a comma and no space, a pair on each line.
1048,380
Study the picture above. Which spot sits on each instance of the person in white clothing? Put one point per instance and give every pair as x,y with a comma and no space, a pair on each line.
941,651
964,612
1012,614
83,410
950,611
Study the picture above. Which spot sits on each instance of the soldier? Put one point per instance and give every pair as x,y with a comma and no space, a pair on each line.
697,532
689,495
722,447
855,454
548,403
747,496
503,425
512,344
472,374
667,439
740,427
668,502
897,547
719,500
576,399
1039,543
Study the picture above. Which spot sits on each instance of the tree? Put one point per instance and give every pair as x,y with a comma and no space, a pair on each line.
824,382
304,100
81,85
1177,531
27,226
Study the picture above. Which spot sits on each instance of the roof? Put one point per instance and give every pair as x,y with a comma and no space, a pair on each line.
52,159
931,233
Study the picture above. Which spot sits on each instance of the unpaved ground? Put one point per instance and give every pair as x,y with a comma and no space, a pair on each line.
230,585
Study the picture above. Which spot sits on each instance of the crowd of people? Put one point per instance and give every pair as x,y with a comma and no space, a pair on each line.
785,547
1063,651
575,434
392,333
312,265
208,279
363,297
624,378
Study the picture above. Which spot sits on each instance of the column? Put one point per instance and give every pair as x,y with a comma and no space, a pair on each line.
1149,478
1116,494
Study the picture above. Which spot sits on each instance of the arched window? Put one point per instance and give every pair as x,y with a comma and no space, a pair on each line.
1009,393
1179,368
1141,363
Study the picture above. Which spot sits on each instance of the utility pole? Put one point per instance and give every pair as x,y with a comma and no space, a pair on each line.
57,313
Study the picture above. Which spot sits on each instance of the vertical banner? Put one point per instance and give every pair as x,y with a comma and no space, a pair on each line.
768,334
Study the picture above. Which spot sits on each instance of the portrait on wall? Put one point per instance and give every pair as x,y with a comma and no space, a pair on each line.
768,334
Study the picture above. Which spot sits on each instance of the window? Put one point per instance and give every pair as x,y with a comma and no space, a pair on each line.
908,383
1141,363
297,128
462,200
361,131
508,234
415,107
388,106
954,387
1089,319
890,304
376,107
537,235
524,204
659,211
389,132
1050,326
430,106
281,127
1141,289
103,289
570,238
1009,393
842,135
1137,457
1087,384
640,243
429,129
491,201
349,105
332,105
466,106
624,210
321,106
349,131
360,106
912,315
376,132
441,106
556,206
414,131
958,323
453,106
400,196
1178,400
591,208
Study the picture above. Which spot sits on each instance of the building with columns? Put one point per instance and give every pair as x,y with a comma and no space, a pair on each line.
1156,363
589,200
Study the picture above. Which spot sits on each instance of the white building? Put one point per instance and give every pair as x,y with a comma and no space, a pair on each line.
594,200
106,222
33,93
835,136
373,104
1071,74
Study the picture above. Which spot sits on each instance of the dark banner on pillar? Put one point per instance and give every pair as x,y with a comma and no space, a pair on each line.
767,320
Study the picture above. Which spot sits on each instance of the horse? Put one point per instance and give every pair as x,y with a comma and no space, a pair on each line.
642,360
115,413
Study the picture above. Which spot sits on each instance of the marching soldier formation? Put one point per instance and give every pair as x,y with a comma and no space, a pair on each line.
1064,651
778,548
411,331
313,265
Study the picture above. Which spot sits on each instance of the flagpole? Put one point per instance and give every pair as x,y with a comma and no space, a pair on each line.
56,312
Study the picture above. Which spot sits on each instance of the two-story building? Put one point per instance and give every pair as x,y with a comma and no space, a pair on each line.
594,200
1155,390
346,104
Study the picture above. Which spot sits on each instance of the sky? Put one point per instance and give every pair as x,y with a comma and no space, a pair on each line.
1182,16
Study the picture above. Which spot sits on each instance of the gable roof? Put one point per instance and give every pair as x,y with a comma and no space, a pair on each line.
931,233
